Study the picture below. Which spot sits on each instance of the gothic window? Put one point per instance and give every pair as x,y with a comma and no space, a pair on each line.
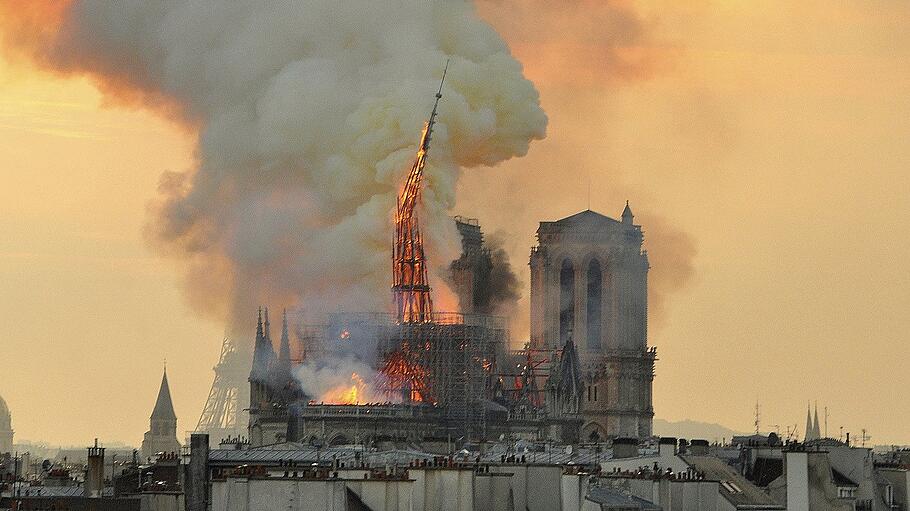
595,293
566,300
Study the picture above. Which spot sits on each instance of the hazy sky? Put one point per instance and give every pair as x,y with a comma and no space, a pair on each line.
766,143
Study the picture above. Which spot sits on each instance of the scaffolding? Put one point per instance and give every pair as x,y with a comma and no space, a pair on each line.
448,362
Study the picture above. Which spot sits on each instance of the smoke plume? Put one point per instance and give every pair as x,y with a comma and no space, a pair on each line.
584,61
307,116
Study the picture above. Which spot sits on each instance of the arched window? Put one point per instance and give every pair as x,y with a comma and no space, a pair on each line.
566,300
595,293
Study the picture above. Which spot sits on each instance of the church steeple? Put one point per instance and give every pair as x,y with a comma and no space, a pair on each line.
164,407
162,433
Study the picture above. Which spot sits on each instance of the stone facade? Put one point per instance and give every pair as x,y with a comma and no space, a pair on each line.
589,278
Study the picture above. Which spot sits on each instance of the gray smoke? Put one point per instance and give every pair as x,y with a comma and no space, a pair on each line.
308,115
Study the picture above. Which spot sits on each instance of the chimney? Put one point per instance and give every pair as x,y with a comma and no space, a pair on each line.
625,448
698,447
667,447
197,475
796,472
683,446
94,476
294,422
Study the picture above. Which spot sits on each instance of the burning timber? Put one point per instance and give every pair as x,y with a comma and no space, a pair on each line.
442,378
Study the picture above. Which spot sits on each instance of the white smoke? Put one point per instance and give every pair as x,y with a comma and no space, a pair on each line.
308,115
331,379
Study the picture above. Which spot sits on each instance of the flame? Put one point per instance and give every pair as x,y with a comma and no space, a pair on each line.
345,394
402,374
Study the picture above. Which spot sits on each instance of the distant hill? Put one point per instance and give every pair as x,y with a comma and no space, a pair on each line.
689,429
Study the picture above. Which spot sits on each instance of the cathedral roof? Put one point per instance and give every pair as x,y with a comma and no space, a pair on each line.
586,221
164,407
586,217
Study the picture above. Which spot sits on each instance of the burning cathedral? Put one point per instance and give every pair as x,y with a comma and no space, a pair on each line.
584,376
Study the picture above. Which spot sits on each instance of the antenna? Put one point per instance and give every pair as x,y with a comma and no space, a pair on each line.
791,432
826,422
757,417
589,189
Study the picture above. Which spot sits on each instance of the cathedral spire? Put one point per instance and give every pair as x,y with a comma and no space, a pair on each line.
284,351
259,326
268,333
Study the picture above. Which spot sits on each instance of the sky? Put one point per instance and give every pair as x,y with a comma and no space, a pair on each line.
762,143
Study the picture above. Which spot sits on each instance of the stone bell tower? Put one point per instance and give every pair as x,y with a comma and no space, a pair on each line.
589,283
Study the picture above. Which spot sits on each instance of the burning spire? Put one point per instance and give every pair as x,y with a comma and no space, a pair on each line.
410,285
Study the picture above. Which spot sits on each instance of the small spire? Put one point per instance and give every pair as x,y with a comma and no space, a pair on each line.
812,430
259,325
284,351
627,214
263,352
816,431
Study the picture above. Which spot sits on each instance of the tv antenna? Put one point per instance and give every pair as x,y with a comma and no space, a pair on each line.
826,422
757,417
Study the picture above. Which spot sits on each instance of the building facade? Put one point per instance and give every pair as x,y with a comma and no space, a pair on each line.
162,434
589,287
6,428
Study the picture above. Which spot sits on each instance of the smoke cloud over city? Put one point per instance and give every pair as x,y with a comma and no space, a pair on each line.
307,116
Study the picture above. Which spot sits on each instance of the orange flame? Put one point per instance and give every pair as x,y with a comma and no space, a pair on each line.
345,394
